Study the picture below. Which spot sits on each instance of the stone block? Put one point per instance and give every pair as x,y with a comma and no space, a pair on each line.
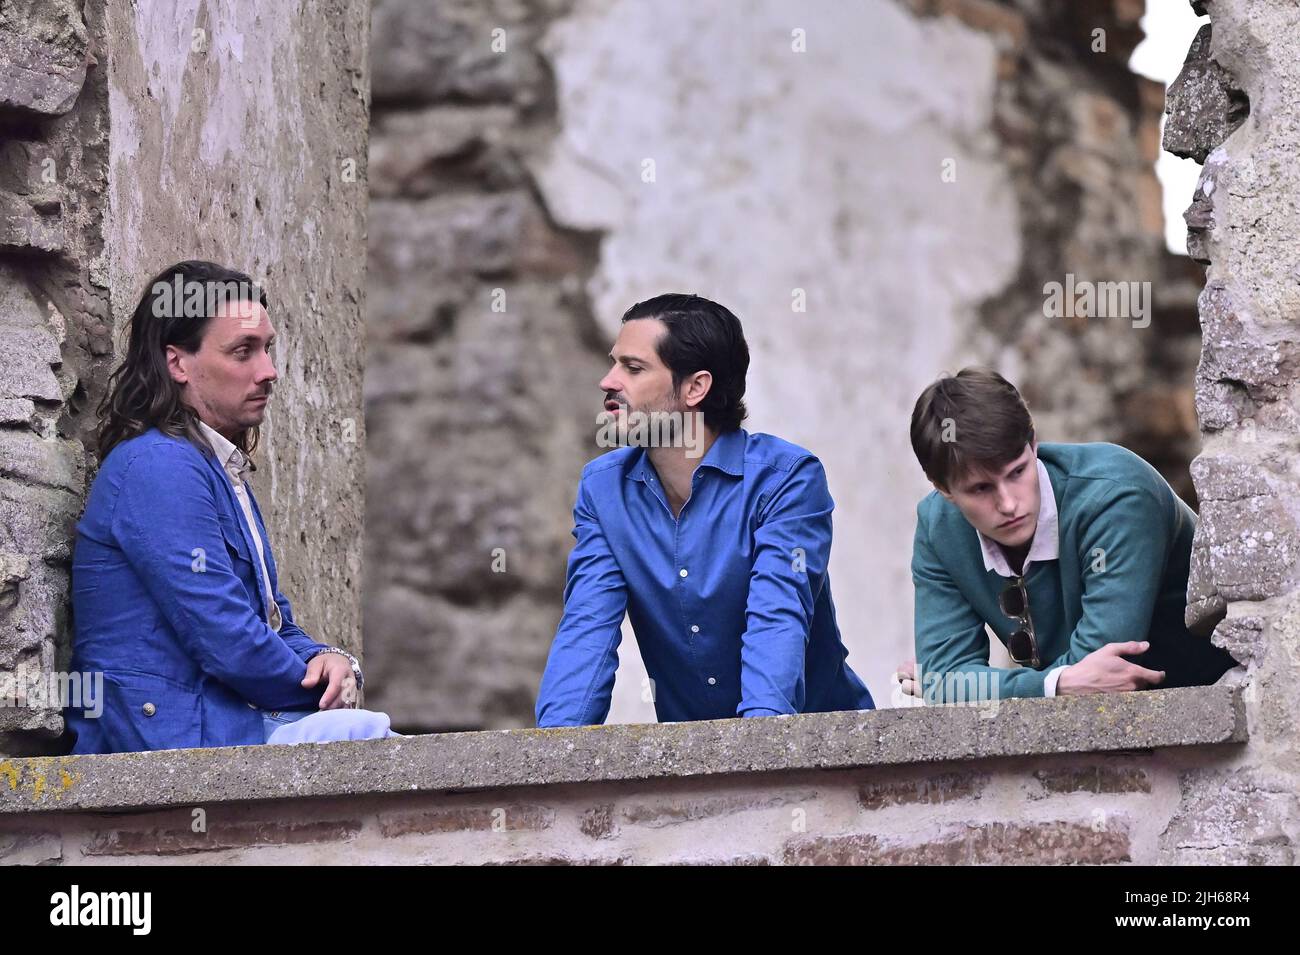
1204,103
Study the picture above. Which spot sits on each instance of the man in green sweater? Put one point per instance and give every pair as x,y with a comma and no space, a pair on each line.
1075,555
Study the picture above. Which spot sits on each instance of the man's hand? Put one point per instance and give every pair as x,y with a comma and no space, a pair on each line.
341,688
906,674
1106,671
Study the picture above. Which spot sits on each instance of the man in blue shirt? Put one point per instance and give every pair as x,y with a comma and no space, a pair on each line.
715,542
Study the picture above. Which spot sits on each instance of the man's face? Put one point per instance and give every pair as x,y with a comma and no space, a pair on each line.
639,381
228,381
1003,504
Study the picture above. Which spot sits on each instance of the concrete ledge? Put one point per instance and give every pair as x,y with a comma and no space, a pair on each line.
511,758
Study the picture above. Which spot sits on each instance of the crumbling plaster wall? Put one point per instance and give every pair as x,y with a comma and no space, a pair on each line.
134,135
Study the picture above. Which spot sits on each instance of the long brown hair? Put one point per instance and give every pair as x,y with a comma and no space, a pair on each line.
141,393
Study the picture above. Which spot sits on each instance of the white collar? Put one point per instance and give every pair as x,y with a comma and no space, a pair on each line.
233,461
1045,546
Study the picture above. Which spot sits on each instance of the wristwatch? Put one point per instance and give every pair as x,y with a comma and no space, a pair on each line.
356,667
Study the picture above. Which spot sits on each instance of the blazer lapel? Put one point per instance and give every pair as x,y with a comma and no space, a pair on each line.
242,524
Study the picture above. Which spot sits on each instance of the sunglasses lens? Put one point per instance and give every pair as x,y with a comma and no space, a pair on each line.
1013,602
1021,646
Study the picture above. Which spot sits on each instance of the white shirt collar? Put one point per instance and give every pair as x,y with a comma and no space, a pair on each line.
1045,546
233,461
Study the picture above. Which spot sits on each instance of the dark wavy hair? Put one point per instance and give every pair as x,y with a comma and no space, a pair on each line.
141,393
702,336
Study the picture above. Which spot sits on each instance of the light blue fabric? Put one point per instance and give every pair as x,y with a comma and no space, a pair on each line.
324,726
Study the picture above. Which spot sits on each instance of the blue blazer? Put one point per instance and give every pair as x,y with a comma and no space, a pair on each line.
168,602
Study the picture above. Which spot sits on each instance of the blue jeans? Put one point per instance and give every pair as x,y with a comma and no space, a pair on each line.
324,726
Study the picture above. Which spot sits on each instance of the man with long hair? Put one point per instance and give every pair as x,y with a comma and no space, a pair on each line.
174,588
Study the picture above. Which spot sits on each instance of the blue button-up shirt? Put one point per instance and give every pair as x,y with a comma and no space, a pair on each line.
730,601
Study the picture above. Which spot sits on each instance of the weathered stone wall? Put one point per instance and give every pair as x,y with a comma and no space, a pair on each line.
135,137
1030,782
251,150
1052,811
55,343
1235,105
483,356
775,157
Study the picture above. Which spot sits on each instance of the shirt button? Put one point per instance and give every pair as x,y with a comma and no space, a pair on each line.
712,681
694,629
682,572
149,709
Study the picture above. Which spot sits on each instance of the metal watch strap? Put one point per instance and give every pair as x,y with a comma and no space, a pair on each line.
356,667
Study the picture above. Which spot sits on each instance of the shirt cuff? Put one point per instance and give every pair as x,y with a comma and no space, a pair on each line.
1049,682
759,711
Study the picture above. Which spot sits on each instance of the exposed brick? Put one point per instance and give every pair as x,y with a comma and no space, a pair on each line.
559,860
598,822
181,840
944,787
31,848
481,819
995,842
1093,779
726,860
686,810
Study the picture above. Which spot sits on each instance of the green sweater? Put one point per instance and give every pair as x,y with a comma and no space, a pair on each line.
1125,542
